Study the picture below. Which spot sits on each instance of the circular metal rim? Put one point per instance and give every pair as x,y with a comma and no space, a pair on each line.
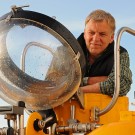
54,25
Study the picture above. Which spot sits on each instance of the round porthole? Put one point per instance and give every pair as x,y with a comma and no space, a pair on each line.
41,63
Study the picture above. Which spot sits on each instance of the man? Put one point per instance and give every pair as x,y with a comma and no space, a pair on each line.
97,42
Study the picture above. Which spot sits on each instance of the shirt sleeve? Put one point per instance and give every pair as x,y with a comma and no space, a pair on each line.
107,87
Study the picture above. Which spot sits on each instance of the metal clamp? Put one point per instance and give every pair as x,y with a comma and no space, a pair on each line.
14,8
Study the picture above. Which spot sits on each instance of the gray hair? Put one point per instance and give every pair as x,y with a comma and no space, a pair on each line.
100,15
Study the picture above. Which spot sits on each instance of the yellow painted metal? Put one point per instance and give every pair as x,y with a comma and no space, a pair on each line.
118,121
91,100
29,127
63,112
116,128
127,116
101,101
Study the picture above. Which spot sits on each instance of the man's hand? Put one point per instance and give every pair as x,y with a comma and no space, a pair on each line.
93,85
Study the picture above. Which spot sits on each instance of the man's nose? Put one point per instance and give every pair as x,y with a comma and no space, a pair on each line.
96,37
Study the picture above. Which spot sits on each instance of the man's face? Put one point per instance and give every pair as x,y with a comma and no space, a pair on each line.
97,36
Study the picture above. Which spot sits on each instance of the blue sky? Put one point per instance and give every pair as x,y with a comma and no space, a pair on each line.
72,13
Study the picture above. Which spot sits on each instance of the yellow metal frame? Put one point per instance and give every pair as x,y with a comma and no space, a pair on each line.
118,121
30,128
116,128
92,100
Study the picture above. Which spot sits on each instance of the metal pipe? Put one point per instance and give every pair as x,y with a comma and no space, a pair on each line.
42,123
77,128
116,68
72,112
21,125
26,49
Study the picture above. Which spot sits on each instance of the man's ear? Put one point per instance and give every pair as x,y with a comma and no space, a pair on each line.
112,38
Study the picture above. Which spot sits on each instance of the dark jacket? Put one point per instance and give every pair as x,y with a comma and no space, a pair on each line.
103,64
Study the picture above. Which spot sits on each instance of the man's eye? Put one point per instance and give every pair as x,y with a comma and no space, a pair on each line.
91,33
102,34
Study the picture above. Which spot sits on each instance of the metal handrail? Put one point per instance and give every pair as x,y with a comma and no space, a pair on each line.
116,68
26,49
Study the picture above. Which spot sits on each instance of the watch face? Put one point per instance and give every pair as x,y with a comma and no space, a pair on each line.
37,64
